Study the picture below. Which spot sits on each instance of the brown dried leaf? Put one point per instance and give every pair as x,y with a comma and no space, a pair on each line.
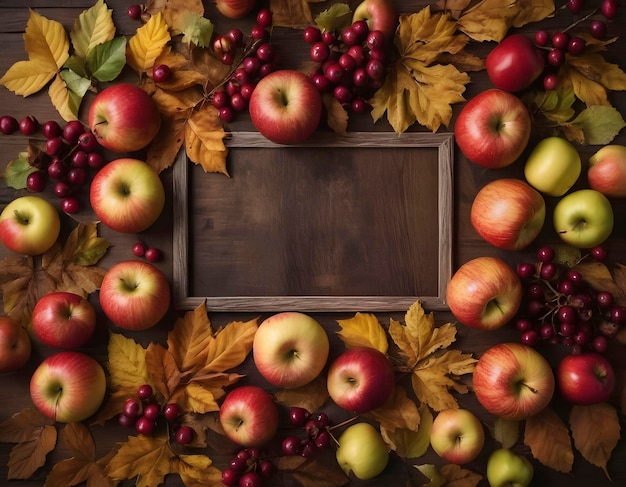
78,440
28,456
410,443
114,404
549,441
204,140
189,340
363,330
602,278
596,431
399,411
20,427
456,476
185,74
165,375
21,287
319,471
291,13
164,149
311,396
455,7
175,10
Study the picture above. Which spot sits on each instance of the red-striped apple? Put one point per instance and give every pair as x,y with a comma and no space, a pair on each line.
513,381
127,195
508,213
583,218
379,15
290,349
607,171
15,346
68,386
360,379
29,225
64,320
493,129
235,9
587,378
134,294
457,435
249,416
484,293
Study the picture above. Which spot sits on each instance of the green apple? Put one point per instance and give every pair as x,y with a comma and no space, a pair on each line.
553,166
362,451
583,218
506,469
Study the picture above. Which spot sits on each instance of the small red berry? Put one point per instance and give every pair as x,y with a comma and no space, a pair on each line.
153,254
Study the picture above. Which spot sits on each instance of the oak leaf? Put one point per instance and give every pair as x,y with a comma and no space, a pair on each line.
596,431
409,442
311,396
149,43
363,330
549,441
92,27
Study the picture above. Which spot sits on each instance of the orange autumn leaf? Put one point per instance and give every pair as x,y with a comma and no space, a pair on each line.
596,431
21,287
363,330
549,441
204,140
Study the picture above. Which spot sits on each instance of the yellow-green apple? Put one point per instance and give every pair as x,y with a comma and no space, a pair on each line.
515,63
286,107
607,171
235,9
127,195
249,416
587,378
68,386
362,451
124,118
513,381
379,15
553,166
360,379
507,469
493,129
484,293
15,346
583,218
290,349
134,295
64,320
508,213
29,225
457,435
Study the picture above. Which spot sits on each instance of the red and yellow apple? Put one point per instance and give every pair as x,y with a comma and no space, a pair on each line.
508,213
15,346
607,171
457,435
290,349
29,225
484,293
235,9
379,14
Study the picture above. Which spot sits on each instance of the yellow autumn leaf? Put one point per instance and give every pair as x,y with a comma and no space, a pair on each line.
149,42
143,457
336,114
46,40
196,399
63,100
27,77
363,330
197,470
398,412
127,362
549,441
204,140
189,340
164,373
588,91
231,346
411,443
596,432
92,27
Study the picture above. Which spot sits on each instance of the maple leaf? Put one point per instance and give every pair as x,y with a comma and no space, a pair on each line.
204,140
434,370
363,330
149,42
399,411
416,88
549,441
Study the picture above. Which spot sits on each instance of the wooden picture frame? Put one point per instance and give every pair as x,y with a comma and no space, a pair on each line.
283,210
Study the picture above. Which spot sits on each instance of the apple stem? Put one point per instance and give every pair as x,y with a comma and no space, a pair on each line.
531,389
22,220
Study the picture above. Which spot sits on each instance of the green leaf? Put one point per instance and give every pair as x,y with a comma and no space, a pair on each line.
196,29
76,64
94,26
77,86
106,61
600,124
336,17
17,171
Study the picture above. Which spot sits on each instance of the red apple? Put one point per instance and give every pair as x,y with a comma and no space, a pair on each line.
235,9
457,435
360,379
15,346
124,118
515,63
68,386
134,295
493,129
484,293
587,378
379,14
607,171
513,381
508,213
127,195
64,320
290,349
286,107
29,225
249,416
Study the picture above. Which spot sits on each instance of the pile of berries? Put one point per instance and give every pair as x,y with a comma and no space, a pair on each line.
252,60
317,434
69,153
143,412
351,63
561,43
248,469
559,307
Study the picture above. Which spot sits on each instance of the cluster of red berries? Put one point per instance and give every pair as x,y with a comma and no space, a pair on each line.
317,434
143,412
351,62
248,469
69,153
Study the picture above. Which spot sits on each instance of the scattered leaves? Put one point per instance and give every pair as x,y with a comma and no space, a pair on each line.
549,441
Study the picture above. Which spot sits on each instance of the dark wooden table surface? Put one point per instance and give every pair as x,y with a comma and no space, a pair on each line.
468,178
